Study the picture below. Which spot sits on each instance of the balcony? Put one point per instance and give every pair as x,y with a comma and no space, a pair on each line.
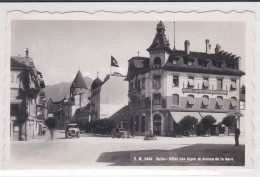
136,93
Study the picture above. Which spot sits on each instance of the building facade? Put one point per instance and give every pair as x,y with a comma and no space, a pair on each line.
106,99
171,84
27,103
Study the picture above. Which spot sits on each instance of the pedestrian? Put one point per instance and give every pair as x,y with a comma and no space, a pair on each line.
43,131
237,133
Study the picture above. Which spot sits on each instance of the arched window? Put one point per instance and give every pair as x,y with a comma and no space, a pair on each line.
190,101
219,103
205,101
175,99
157,61
233,102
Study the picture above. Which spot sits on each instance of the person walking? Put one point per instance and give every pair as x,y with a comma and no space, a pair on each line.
237,133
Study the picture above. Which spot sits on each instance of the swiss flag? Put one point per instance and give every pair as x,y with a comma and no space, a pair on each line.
114,62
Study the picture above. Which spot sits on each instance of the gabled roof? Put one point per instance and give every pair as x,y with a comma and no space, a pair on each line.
16,64
79,82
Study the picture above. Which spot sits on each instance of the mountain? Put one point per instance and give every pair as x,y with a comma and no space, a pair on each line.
58,91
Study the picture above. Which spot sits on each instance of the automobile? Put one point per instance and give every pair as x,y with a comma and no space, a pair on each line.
120,133
72,129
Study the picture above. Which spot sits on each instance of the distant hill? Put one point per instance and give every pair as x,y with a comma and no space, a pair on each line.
58,91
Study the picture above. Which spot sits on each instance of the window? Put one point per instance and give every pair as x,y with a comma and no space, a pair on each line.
157,99
14,110
190,101
157,61
191,82
156,82
190,63
175,99
174,61
205,101
233,102
219,103
233,86
219,84
205,84
138,84
219,65
175,81
143,83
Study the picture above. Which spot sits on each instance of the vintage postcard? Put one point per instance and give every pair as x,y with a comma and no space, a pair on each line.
151,91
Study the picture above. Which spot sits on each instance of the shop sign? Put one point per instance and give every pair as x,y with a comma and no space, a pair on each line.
219,92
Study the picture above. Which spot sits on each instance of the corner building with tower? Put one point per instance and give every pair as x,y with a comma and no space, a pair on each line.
172,84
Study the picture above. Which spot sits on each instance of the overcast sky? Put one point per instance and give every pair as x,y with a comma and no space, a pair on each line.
60,48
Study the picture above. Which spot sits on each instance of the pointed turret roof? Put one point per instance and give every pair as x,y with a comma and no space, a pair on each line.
79,82
160,41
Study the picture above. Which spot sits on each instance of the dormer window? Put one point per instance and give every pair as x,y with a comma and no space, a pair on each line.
190,63
174,61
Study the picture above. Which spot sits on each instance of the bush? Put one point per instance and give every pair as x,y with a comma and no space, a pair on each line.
188,123
207,122
229,121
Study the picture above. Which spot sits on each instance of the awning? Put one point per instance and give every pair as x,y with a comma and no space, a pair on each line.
235,114
205,101
42,124
177,116
220,102
233,103
218,116
233,85
191,82
191,100
205,83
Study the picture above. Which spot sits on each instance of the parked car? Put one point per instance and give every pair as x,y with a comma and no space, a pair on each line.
120,133
72,129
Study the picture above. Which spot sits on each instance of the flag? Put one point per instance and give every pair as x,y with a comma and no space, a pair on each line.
118,74
114,62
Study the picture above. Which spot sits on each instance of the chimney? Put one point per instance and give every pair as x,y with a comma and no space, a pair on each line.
187,47
208,46
27,53
217,49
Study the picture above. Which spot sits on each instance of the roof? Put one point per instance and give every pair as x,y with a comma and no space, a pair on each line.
16,64
79,82
23,60
96,83
160,41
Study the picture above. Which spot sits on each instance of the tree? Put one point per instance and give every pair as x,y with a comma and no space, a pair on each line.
229,121
188,123
207,122
51,123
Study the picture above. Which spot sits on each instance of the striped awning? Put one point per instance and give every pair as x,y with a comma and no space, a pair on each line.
177,116
218,116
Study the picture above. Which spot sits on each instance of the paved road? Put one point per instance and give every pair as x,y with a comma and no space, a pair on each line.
85,151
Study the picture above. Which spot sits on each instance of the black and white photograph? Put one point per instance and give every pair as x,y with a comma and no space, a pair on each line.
128,93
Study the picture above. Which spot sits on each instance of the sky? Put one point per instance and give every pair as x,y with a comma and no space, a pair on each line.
60,48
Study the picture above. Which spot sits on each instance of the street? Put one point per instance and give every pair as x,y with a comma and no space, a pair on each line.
89,151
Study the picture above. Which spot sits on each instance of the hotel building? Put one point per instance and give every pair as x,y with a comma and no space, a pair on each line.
171,84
